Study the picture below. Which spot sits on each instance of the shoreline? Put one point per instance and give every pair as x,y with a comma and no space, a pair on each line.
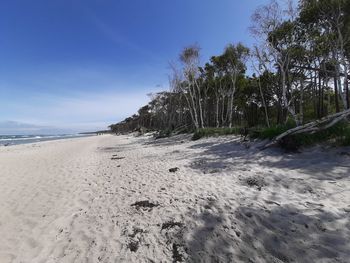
37,139
114,198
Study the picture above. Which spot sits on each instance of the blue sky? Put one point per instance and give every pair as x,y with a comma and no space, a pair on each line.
84,64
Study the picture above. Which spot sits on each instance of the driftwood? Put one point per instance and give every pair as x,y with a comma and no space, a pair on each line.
311,127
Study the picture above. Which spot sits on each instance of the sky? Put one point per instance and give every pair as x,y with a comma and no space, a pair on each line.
81,65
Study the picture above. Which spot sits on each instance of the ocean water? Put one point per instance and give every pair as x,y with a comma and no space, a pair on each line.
7,140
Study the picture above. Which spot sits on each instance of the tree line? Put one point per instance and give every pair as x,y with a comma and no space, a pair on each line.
298,72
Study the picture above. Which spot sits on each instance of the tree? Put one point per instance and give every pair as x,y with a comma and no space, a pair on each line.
301,70
190,60
235,58
274,27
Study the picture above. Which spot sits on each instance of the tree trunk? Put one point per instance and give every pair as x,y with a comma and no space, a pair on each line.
336,95
193,109
217,112
301,103
231,111
223,111
264,104
341,92
314,93
311,127
346,87
233,89
199,103
319,105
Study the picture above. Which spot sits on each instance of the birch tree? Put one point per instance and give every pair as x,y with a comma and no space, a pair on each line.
190,60
273,26
235,58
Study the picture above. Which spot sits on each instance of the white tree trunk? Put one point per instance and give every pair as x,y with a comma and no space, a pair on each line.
301,106
264,104
194,107
233,89
311,127
217,111
199,103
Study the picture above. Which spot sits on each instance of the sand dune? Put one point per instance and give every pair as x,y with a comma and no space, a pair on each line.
113,199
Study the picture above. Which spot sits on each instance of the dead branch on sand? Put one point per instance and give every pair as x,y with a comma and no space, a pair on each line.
311,127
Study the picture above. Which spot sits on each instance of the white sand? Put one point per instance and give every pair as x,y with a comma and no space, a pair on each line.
67,201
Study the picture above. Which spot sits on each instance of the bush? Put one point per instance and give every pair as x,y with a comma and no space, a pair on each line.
290,143
345,141
213,132
340,133
183,129
272,132
344,138
337,133
163,134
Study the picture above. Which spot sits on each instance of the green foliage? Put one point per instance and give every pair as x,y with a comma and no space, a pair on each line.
272,132
295,76
269,133
340,134
335,133
345,140
213,132
164,133
182,130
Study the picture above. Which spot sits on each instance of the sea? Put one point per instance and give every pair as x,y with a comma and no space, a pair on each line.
8,140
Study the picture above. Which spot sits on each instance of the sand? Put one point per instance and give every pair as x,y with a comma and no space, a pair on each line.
113,199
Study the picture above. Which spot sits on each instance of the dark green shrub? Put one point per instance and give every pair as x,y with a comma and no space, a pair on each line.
340,133
345,141
197,135
336,132
290,143
344,138
212,132
270,133
164,134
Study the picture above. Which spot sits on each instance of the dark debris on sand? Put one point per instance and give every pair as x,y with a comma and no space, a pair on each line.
133,246
173,170
177,256
171,224
144,204
117,158
136,231
255,181
173,232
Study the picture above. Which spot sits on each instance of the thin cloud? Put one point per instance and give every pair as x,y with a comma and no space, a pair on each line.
116,36
86,111
75,97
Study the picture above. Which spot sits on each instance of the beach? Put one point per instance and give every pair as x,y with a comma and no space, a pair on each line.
135,199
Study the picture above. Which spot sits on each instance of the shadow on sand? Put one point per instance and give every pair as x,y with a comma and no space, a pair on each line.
283,234
320,163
